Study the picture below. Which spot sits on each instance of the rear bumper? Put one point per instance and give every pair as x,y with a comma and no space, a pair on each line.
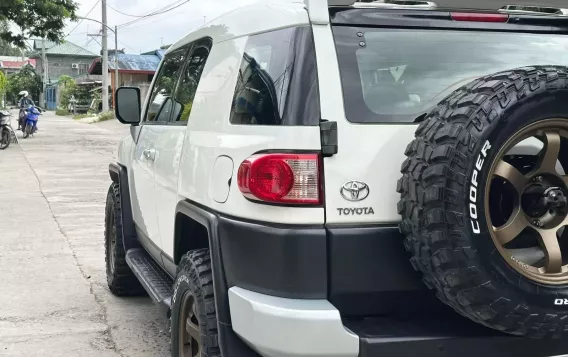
361,270
280,327
292,291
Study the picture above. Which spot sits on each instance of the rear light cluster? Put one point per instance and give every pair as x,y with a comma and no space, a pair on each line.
282,178
479,17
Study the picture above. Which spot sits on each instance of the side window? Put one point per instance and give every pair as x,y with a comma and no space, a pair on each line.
160,105
190,80
277,83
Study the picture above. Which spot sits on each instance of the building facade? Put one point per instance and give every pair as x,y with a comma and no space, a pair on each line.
65,58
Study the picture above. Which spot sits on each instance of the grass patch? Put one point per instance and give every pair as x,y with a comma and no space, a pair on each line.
82,116
106,116
61,112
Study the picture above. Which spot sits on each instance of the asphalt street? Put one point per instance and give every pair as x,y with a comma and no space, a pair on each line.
54,300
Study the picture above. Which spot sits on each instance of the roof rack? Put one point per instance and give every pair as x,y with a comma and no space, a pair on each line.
534,9
398,4
319,9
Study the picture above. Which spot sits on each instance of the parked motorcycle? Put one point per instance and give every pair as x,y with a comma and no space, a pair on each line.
6,130
30,122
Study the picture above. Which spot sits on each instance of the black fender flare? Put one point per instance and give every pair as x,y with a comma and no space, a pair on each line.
210,221
229,343
118,175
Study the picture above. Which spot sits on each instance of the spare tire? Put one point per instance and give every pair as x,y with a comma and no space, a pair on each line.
484,225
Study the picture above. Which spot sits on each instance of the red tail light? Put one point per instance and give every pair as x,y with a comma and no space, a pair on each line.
479,17
281,178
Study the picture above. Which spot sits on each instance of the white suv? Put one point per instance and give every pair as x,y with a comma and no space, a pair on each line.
256,197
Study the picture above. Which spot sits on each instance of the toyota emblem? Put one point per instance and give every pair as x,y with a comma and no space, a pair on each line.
355,191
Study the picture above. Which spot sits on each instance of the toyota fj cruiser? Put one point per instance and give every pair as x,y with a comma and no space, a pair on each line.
259,198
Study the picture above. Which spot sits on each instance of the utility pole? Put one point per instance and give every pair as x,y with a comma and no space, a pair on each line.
44,72
105,71
105,58
115,65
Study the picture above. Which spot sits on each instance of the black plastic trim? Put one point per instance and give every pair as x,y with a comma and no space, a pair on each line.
211,222
229,341
279,260
119,175
157,283
370,273
446,335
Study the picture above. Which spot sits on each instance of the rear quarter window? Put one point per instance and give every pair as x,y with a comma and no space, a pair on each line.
277,81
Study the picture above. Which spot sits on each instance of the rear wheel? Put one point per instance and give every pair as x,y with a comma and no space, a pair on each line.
484,201
5,138
194,318
27,130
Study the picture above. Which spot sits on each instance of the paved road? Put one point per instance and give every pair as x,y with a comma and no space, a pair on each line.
53,295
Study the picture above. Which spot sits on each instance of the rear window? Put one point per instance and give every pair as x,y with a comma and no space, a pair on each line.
397,75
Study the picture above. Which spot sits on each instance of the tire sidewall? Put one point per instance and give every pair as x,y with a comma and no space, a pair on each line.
516,116
112,229
5,132
184,285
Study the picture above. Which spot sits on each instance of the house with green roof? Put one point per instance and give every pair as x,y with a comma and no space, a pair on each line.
64,58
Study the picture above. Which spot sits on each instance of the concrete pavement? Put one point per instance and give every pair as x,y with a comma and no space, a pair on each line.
54,300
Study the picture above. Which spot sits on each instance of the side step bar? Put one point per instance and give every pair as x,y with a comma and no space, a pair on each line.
153,278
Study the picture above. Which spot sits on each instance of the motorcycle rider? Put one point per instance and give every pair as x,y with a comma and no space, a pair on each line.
24,102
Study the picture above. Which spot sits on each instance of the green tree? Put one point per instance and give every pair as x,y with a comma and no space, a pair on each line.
27,79
68,88
3,88
35,18
3,84
6,48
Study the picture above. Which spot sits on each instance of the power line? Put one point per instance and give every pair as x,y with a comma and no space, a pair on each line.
123,13
80,22
154,13
163,10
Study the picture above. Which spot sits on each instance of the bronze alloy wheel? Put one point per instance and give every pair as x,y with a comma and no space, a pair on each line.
526,204
112,244
190,335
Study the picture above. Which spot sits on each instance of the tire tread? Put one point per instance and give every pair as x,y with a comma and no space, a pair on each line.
433,175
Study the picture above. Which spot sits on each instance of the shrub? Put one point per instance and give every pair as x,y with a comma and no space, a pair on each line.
61,112
106,116
82,116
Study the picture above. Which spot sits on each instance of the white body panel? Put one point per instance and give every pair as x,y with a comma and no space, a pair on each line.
185,157
210,135
369,153
142,188
169,150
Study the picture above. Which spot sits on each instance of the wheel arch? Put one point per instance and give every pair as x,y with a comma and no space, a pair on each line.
229,342
190,213
118,175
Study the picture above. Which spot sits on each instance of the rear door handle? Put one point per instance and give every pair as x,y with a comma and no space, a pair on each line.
150,154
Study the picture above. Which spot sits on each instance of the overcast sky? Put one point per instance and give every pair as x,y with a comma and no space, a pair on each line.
151,32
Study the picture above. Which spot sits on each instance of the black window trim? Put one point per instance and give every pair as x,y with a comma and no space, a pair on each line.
187,48
203,42
311,42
